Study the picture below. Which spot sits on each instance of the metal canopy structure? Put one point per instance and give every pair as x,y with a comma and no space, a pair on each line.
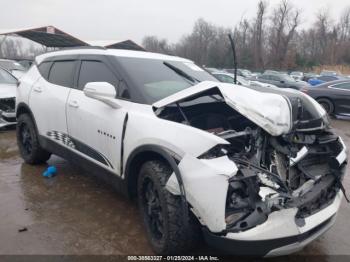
52,37
48,36
117,44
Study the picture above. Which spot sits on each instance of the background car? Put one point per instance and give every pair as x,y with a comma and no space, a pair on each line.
297,75
329,73
333,96
211,69
242,72
325,78
26,63
308,76
230,78
8,84
315,81
14,67
281,80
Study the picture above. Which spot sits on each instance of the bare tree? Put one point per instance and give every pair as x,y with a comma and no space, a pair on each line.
271,39
259,25
284,22
153,44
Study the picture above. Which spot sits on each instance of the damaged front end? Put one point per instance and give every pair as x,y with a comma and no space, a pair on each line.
286,160
281,173
7,111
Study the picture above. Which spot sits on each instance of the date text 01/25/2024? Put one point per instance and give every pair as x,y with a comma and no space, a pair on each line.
173,258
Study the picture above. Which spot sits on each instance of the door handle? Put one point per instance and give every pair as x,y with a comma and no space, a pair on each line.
73,103
38,89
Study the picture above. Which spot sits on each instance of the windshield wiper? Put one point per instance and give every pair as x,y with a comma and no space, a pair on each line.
181,73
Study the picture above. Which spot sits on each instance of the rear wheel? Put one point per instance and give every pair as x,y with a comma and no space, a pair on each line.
28,142
162,212
327,105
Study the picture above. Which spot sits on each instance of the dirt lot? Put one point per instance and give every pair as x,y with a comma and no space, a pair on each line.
74,214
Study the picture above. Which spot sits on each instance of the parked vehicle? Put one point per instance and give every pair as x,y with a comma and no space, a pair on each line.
324,79
315,82
297,75
26,63
281,80
271,72
308,76
258,173
8,84
230,78
240,72
211,69
329,73
14,67
333,96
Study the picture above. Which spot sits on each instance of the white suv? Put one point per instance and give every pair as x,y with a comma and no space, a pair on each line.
255,172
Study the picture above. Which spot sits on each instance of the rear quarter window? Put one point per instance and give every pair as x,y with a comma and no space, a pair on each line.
44,69
62,73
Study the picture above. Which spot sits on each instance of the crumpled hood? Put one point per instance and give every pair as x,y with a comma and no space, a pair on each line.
7,91
272,112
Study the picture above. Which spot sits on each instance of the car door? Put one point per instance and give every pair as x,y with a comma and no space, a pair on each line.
49,95
94,127
340,94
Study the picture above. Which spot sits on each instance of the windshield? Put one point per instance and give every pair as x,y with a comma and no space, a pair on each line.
11,65
156,79
6,77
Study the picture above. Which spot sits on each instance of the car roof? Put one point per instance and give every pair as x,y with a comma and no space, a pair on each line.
111,52
334,82
2,59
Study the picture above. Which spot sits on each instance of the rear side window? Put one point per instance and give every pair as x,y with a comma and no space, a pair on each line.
62,73
343,86
44,69
95,71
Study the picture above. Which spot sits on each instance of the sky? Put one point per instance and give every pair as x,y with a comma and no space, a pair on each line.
133,19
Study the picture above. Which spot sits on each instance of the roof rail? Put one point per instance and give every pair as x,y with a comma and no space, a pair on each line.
83,47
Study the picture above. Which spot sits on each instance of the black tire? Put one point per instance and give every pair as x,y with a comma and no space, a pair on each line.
327,105
162,213
28,142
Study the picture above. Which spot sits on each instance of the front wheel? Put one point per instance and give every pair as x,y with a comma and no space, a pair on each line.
28,142
162,212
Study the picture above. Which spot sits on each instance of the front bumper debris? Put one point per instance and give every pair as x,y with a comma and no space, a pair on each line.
279,235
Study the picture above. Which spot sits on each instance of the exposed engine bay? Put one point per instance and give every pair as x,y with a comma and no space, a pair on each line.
302,169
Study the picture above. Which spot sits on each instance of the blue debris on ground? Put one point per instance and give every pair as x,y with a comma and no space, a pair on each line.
51,171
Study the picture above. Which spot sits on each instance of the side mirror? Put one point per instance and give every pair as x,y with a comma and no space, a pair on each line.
102,91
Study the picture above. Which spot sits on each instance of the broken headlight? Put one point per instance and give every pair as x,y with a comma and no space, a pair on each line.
215,152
